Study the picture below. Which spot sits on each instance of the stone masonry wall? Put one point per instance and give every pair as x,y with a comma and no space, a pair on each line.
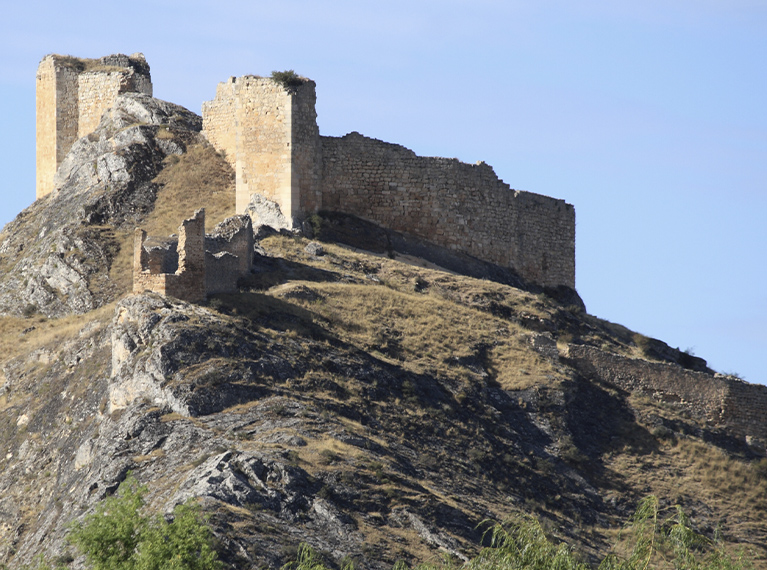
45,118
191,259
261,130
721,400
97,92
188,282
219,121
464,207
234,235
72,94
221,272
745,407
306,158
194,265
56,116
270,136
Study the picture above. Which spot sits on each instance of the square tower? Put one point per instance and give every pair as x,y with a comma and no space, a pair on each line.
72,93
268,131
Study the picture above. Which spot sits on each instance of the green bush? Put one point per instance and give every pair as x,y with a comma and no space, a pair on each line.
309,559
288,79
119,537
649,541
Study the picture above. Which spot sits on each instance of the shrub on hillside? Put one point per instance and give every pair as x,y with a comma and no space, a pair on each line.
119,537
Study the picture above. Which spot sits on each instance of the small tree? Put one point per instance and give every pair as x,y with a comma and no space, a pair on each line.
117,536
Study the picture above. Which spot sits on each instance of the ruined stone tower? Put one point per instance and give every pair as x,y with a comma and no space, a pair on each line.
269,134
72,94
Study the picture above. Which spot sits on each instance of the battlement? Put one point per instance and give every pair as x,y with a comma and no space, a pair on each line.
267,129
72,93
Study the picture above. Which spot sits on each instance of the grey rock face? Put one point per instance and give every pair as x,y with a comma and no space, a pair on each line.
314,248
264,212
55,258
153,346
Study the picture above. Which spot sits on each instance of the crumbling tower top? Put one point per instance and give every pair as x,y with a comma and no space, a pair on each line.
72,94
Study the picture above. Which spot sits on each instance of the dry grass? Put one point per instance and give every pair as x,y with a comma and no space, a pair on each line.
425,333
325,451
722,475
121,272
20,336
200,178
698,475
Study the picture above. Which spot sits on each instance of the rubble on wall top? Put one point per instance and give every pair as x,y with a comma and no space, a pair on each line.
107,64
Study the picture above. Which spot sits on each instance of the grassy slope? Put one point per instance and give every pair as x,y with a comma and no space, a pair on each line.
443,326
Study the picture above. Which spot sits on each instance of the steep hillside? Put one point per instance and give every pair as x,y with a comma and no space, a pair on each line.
373,405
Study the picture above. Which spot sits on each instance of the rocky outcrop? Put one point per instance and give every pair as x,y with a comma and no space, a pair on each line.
265,212
286,431
56,256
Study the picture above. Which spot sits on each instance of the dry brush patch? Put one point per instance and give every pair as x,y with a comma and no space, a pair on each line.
199,178
427,334
19,335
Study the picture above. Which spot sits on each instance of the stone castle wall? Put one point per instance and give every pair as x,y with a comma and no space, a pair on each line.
56,119
270,136
720,400
464,207
72,94
188,281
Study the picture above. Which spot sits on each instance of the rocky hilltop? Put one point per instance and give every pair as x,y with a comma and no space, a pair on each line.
358,398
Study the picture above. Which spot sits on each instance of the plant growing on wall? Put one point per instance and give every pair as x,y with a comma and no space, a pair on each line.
289,79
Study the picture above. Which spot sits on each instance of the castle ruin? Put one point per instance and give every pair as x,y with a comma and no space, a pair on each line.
267,130
194,265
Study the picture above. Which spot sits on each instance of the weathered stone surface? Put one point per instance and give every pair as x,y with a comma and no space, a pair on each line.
270,136
265,212
72,94
56,256
314,248
289,438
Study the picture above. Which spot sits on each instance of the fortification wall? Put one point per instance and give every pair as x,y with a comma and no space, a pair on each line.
234,235
306,159
464,207
221,272
271,138
97,92
219,121
262,135
720,400
194,264
45,119
72,94
745,408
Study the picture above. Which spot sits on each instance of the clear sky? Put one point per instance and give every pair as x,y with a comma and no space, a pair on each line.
648,116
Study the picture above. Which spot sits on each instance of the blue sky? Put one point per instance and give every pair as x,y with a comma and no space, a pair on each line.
648,116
